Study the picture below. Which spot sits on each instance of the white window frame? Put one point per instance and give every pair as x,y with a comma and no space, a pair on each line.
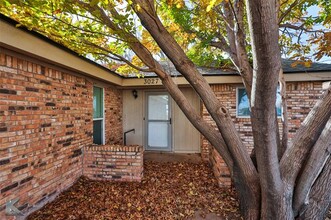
103,114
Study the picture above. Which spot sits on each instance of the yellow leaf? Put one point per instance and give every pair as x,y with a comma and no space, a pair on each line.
211,5
138,7
307,63
294,64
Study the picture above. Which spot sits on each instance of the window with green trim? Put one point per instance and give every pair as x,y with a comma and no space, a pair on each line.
97,102
98,121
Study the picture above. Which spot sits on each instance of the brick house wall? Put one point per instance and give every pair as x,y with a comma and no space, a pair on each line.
113,116
46,120
302,96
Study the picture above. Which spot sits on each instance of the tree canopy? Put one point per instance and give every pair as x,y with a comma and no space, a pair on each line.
292,179
200,27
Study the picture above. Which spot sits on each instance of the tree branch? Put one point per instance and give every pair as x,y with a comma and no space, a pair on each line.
119,58
242,59
288,10
305,138
301,27
317,159
319,196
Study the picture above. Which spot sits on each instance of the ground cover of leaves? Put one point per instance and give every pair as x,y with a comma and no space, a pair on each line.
167,191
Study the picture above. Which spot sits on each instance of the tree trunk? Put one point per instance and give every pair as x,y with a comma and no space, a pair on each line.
282,86
313,167
320,196
266,66
296,155
247,210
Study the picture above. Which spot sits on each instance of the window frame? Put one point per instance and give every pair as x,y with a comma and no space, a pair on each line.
237,104
248,116
103,114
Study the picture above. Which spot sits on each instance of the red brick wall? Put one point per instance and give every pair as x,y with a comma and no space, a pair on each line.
46,119
113,116
113,162
301,98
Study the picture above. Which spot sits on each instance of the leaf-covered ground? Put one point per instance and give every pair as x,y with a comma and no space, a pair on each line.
167,191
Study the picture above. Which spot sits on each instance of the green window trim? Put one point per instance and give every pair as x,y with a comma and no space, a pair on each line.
97,102
98,115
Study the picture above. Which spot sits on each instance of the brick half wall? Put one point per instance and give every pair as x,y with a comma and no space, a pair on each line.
220,169
113,162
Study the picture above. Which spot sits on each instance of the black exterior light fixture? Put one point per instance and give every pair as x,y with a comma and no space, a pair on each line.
135,93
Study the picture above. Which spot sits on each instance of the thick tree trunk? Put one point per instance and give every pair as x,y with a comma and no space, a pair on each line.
266,66
313,167
296,155
245,201
319,196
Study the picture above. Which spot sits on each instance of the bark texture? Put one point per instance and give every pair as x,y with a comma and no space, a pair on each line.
320,196
282,86
267,64
312,169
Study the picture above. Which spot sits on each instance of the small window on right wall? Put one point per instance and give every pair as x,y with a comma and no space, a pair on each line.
243,107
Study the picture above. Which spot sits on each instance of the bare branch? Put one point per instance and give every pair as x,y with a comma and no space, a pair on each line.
301,27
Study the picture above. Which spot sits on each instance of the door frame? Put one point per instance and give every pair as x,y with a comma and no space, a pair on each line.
146,120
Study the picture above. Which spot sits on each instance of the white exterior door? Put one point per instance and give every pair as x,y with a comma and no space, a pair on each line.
158,121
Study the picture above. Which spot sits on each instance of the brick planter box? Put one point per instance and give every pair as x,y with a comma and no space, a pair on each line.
113,162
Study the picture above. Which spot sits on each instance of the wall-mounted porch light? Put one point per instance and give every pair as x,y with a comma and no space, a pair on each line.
135,93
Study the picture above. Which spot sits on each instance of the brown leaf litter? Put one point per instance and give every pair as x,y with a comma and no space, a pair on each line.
168,191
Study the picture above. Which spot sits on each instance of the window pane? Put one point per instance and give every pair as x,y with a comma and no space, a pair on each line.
279,102
97,132
158,107
158,134
97,102
243,103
